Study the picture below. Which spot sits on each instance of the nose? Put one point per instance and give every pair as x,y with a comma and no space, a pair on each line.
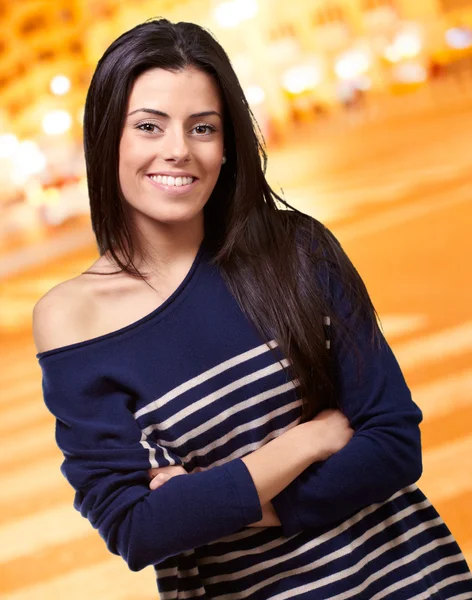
175,148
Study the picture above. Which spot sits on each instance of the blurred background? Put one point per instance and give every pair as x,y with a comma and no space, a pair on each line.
366,109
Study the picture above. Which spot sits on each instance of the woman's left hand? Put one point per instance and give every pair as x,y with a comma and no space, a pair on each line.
163,474
269,517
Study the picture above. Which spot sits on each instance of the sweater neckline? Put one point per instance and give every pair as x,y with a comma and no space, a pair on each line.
177,293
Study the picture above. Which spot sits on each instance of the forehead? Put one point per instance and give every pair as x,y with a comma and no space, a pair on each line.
185,91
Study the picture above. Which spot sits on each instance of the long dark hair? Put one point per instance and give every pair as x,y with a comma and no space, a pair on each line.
272,260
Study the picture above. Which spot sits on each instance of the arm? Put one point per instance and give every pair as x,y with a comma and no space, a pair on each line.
106,461
384,454
270,467
269,517
107,466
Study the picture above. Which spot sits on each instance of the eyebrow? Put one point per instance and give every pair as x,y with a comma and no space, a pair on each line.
153,111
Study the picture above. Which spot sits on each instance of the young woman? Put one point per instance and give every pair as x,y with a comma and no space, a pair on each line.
228,409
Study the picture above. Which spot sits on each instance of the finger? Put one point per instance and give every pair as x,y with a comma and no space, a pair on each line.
171,470
156,482
159,480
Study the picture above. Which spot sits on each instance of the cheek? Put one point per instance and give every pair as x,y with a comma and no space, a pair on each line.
213,161
132,158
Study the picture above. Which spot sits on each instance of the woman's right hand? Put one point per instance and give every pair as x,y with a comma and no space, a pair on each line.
331,433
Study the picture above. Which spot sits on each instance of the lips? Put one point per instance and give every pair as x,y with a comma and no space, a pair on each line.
172,189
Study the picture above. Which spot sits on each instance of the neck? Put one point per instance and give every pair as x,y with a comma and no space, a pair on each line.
165,245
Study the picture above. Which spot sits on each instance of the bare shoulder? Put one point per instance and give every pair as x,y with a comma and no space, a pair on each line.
59,315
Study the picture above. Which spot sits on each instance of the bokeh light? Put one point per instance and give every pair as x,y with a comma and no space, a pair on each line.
353,63
301,78
230,14
459,38
27,160
60,85
407,44
8,145
57,122
255,95
410,73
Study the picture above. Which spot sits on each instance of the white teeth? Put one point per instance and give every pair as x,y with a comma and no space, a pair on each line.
168,180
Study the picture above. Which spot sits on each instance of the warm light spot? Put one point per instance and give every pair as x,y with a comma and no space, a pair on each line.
60,84
299,79
255,95
351,64
459,38
407,44
57,122
231,14
410,73
8,145
52,197
27,160
34,192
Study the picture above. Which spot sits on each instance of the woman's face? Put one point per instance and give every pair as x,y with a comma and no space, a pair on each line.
171,146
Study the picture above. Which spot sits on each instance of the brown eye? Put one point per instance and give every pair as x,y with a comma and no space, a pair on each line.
209,129
147,127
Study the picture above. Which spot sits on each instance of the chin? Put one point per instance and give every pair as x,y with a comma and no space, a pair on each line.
175,215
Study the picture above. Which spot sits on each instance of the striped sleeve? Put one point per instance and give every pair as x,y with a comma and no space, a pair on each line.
106,460
384,454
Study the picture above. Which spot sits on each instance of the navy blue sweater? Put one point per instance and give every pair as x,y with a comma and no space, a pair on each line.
193,384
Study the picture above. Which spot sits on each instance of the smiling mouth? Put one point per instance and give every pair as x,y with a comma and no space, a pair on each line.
169,181
173,188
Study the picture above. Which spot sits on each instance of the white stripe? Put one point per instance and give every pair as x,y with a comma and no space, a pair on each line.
198,593
259,549
18,537
176,572
247,426
234,537
171,572
435,347
426,595
194,407
199,379
467,552
152,453
240,452
229,412
336,554
447,560
321,539
397,563
355,569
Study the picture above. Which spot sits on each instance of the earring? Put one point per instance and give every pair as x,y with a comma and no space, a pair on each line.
223,160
